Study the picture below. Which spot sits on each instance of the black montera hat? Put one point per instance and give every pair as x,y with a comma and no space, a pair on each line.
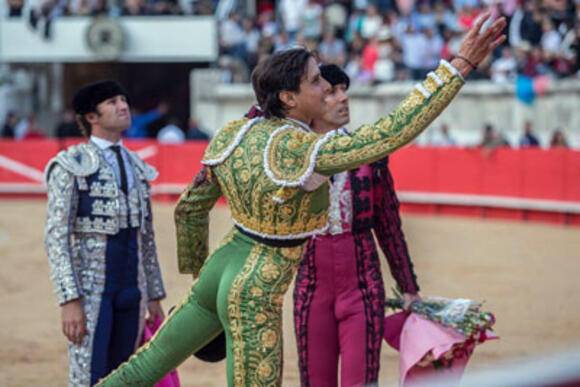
88,97
334,75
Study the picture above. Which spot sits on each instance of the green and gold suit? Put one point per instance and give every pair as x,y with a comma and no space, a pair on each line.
274,175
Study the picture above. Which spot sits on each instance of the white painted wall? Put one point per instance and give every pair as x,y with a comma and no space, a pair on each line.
479,102
148,39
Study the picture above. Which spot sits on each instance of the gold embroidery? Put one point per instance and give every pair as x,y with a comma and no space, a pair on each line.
255,314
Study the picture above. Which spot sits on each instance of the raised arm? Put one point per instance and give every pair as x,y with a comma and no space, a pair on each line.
370,143
192,221
342,151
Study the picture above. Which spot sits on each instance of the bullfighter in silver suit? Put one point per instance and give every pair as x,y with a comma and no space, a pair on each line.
99,238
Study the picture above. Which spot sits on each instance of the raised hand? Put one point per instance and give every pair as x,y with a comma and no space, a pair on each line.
476,45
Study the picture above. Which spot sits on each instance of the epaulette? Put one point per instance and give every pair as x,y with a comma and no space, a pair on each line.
144,169
290,155
226,140
80,160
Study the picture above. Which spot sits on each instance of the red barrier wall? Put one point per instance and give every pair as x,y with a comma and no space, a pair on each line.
527,184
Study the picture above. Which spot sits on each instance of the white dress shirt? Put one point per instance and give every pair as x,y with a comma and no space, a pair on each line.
111,158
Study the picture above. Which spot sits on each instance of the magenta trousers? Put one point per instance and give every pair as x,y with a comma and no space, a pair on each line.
339,302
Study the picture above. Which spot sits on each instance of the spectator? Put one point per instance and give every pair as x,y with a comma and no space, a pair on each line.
332,50
443,137
68,127
15,8
384,67
171,133
251,42
415,47
335,17
134,8
9,125
558,139
491,138
503,69
195,131
291,12
529,139
312,20
140,121
232,37
434,49
424,18
33,131
550,41
371,22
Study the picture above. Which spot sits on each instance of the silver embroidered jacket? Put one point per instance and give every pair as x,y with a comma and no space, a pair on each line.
84,206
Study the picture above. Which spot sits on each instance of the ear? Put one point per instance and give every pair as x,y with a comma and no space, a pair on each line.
92,118
288,98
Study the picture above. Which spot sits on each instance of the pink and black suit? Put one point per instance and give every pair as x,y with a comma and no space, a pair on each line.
339,295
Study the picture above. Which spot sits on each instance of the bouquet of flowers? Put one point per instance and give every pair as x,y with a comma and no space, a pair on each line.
439,334
463,315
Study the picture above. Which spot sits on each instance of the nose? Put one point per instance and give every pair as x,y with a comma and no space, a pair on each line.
122,105
342,97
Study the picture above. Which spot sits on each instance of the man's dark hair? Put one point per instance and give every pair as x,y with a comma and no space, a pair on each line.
334,75
280,72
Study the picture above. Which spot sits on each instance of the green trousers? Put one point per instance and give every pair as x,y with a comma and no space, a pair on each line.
240,290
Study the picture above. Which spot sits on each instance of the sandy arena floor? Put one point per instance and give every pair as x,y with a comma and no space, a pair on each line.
526,273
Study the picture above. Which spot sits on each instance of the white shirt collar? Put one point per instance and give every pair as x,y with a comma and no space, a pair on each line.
104,144
302,124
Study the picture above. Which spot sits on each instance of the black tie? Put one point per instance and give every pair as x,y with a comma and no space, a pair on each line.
117,150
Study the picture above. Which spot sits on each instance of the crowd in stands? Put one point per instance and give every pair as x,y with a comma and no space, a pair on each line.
386,40
374,40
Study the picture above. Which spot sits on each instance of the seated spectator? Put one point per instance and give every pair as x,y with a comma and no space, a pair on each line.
424,18
558,139
171,133
332,50
335,17
140,121
251,42
232,37
291,12
504,68
312,20
384,68
415,46
68,127
371,22
9,125
195,131
134,8
529,139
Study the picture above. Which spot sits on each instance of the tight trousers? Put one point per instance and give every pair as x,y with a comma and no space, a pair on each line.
240,290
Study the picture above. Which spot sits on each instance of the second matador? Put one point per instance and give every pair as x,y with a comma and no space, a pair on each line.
274,174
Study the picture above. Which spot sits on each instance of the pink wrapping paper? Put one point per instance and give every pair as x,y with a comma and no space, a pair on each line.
171,379
414,337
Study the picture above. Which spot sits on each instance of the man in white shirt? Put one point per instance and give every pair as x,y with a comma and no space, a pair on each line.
99,238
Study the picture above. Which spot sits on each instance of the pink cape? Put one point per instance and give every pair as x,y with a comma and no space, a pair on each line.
414,337
171,379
